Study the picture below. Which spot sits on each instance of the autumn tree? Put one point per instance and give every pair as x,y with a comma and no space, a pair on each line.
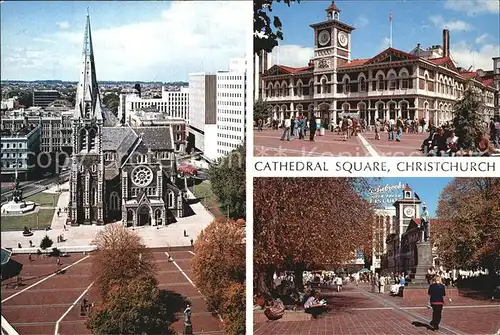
266,34
121,256
261,110
467,232
219,271
305,222
467,120
228,179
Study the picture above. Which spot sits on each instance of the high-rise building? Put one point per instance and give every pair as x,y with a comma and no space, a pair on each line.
202,119
231,107
173,104
43,98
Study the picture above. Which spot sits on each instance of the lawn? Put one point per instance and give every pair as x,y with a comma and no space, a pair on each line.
44,199
204,192
45,216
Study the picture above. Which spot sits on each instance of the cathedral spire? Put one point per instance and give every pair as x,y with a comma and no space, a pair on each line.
88,101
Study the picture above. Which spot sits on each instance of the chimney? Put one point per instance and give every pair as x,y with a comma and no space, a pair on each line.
446,43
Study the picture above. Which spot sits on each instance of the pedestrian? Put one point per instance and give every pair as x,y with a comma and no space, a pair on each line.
185,233
192,242
58,261
377,129
312,128
286,130
381,284
31,244
19,245
402,283
437,292
29,257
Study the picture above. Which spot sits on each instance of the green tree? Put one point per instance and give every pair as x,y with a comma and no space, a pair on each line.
112,101
46,242
228,179
25,98
261,110
467,120
266,34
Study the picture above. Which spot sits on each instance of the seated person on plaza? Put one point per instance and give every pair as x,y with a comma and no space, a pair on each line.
314,306
275,309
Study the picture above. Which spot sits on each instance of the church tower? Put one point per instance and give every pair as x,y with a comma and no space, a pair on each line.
407,209
87,169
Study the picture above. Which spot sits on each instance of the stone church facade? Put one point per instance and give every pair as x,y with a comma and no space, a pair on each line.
118,172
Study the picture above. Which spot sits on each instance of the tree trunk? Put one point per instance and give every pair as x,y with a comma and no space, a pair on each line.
265,280
298,276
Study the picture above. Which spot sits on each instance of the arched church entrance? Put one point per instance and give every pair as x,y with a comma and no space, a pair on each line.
144,216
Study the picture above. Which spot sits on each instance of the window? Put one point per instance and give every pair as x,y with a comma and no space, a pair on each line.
404,81
380,82
392,81
324,86
170,199
426,82
299,89
346,87
362,84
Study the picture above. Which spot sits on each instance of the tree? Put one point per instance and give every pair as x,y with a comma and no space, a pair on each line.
135,307
467,120
467,233
121,256
307,222
228,179
46,242
261,110
219,271
25,98
265,37
112,101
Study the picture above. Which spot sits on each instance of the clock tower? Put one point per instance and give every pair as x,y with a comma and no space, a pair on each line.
407,208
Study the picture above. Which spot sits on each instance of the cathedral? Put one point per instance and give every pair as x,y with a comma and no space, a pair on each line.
118,172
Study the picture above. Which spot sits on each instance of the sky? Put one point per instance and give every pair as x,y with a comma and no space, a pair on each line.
473,24
133,40
428,189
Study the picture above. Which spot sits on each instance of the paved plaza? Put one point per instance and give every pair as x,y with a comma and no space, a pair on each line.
164,236
267,143
49,301
358,311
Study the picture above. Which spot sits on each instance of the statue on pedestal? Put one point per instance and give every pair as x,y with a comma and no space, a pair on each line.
188,327
17,193
424,223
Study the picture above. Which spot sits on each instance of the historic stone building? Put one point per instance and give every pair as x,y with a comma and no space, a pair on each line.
119,172
391,84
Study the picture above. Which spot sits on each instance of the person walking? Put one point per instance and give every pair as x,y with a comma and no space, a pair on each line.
312,128
382,284
437,292
286,131
377,129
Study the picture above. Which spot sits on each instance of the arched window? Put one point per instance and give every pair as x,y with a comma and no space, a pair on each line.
324,86
83,139
114,201
277,90
404,110
299,89
345,108
130,215
426,82
362,84
380,82
404,80
346,86
92,135
270,90
392,81
284,88
170,199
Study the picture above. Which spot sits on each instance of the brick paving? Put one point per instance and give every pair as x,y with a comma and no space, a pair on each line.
36,310
357,311
267,143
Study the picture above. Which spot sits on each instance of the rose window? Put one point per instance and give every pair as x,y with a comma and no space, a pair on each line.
142,176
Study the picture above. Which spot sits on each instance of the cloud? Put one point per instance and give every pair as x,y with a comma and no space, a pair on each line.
63,25
481,39
291,55
466,55
43,40
474,7
361,21
456,25
186,37
386,42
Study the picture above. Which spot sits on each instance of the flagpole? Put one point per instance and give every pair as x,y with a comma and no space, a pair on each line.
390,23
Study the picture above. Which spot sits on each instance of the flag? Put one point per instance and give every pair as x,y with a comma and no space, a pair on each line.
416,196
390,16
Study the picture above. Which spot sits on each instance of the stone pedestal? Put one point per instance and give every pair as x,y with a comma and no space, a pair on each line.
424,254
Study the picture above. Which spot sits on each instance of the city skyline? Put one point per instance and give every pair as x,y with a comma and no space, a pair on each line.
473,28
133,41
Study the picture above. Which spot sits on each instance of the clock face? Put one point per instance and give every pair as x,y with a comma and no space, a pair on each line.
324,37
409,211
342,39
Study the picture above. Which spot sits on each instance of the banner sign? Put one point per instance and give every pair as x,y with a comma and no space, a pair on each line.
385,195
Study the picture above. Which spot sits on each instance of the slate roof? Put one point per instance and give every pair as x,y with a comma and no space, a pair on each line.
156,137
115,138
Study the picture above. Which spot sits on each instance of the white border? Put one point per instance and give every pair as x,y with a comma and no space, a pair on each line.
376,167
249,172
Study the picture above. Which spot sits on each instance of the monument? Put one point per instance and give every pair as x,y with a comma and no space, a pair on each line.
16,205
424,251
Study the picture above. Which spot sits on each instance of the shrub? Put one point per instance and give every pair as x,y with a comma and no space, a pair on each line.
46,242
